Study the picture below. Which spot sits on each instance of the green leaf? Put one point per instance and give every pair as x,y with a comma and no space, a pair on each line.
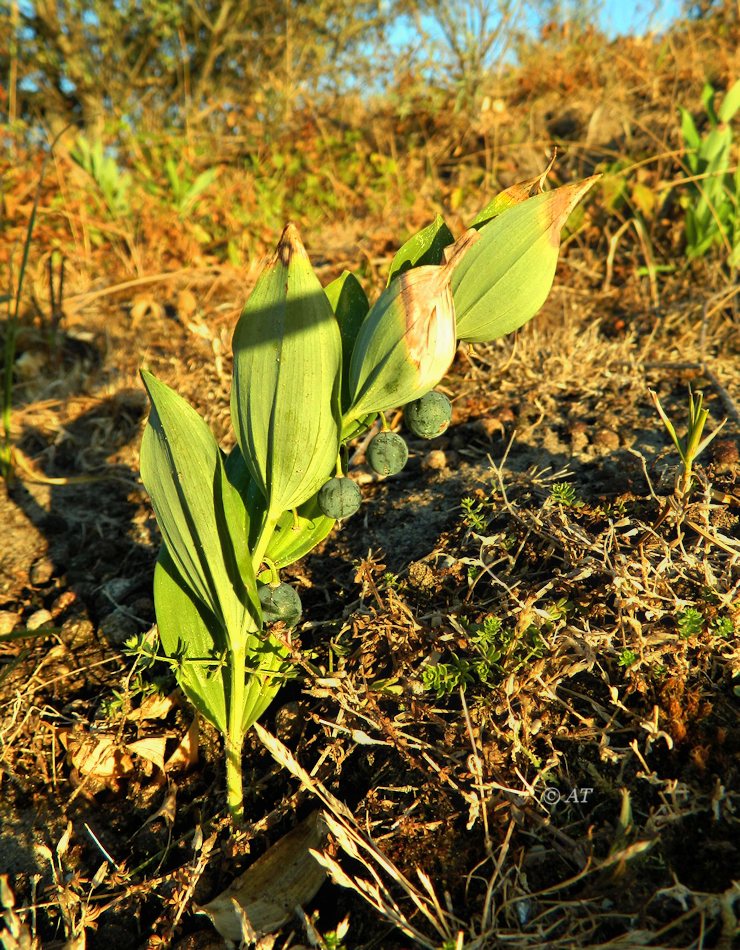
287,377
197,645
201,516
297,534
691,138
194,640
707,98
730,103
425,247
350,305
505,277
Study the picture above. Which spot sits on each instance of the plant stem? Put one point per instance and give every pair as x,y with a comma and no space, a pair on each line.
263,541
235,738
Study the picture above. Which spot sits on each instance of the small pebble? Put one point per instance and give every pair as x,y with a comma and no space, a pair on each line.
63,601
42,571
578,436
606,439
435,461
76,631
117,587
488,427
725,456
118,626
8,620
39,618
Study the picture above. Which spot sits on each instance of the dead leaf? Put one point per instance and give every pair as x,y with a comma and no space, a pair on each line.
154,706
145,305
99,756
285,877
185,755
151,749
187,304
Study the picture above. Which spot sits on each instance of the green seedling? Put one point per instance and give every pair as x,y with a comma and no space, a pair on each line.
690,623
313,368
711,205
691,447
187,190
113,184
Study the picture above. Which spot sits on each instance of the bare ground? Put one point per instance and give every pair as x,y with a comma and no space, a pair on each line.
582,791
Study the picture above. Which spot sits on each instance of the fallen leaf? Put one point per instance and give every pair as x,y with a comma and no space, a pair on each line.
286,876
185,755
151,749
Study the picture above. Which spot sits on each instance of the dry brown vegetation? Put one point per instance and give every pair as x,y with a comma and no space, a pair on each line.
583,789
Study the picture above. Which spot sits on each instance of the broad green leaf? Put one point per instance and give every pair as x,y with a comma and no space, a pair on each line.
425,247
511,196
504,279
239,476
287,378
200,514
297,534
194,640
715,148
407,341
350,305
197,645
267,671
730,103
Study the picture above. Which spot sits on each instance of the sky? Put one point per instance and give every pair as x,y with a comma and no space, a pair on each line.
620,16
617,17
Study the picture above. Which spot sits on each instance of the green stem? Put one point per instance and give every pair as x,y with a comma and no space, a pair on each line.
268,529
235,738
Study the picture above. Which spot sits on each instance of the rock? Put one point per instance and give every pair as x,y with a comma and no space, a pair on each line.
39,618
438,461
42,571
8,620
725,456
606,439
76,631
118,626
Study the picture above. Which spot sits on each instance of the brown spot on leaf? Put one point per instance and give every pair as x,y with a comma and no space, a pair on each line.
563,201
290,245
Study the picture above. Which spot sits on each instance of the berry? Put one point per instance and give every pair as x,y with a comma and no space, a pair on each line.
280,602
339,498
387,453
429,416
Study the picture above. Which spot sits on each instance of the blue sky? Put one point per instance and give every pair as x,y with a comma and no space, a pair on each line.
622,17
617,17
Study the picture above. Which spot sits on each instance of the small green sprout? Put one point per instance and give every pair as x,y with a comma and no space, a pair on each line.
690,623
691,447
495,650
627,658
473,514
565,494
722,627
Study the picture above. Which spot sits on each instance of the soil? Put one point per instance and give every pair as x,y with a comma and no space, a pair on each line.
583,790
